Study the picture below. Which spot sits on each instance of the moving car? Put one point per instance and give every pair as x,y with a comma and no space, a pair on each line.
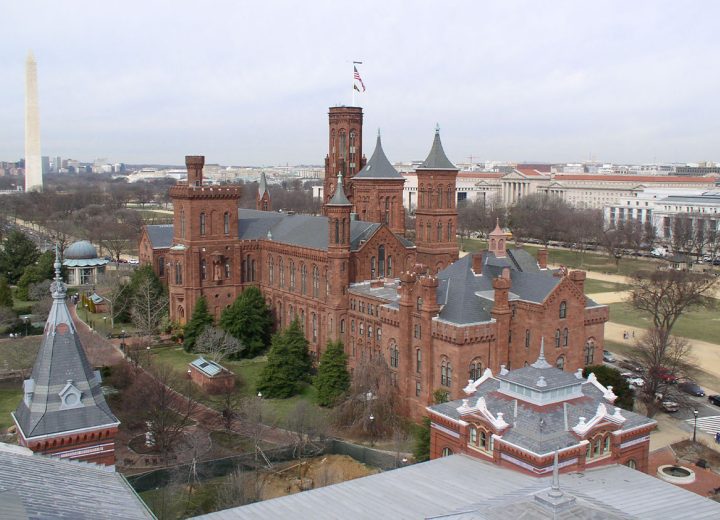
608,357
670,406
692,388
714,399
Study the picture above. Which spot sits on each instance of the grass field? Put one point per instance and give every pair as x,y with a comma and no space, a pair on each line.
601,286
10,396
700,324
590,261
247,372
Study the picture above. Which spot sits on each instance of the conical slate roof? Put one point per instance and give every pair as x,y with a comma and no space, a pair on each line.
378,167
63,392
262,187
436,159
339,198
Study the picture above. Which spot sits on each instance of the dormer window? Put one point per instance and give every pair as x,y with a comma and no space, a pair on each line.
70,396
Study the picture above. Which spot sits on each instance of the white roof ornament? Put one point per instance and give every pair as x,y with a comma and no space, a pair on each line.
608,393
541,362
471,388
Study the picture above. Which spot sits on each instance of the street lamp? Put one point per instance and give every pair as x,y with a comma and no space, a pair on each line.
26,319
695,413
147,349
372,430
86,313
122,340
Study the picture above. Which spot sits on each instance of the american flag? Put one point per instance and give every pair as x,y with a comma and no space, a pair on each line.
357,77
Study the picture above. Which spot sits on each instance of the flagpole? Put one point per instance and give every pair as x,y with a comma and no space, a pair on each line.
353,84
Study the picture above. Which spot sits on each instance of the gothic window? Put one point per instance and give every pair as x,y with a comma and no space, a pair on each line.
566,334
445,373
281,272
337,231
252,270
473,435
439,197
419,303
361,328
389,266
342,326
271,270
303,279
417,388
428,233
527,338
378,334
343,145
182,222
557,338
246,268
227,268
589,351
203,269
327,283
226,223
352,326
178,273
381,261
352,147
292,275
446,452
450,196
370,331
418,360
449,231
560,363
372,267
352,346
202,223
439,232
563,310
475,369
387,210
314,327
418,331
421,191
161,266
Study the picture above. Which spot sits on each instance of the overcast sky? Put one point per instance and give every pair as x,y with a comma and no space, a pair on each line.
250,82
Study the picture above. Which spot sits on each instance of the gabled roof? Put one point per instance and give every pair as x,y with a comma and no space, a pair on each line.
436,159
61,361
379,167
160,235
49,487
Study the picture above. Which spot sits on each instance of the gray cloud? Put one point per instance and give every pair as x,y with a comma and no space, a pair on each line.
250,82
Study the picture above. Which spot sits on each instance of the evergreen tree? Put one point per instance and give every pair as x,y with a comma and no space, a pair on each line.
333,378
200,320
249,320
18,252
288,365
421,451
6,299
611,376
44,269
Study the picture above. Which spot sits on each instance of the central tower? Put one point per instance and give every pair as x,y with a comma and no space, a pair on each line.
345,149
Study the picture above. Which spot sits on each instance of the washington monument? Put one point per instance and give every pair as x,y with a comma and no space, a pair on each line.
33,166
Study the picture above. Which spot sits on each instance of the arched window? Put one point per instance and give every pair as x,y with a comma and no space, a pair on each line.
178,273
252,270
421,191
473,435
418,331
281,271
439,197
446,452
560,363
449,231
226,223
303,279
202,223
450,196
203,269
342,326
370,331
316,282
389,266
557,338
352,346
475,370
589,351
352,326
352,148
428,233
483,441
314,327
378,334
527,338
182,222
292,275
161,266
343,145
566,334
372,267
445,373
563,309
439,232
271,270
631,464
418,360
337,231
394,355
419,303
387,210
361,328
227,268
381,261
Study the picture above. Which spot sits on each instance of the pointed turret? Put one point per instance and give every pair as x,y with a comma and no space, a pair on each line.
436,159
262,200
378,167
63,411
541,361
339,198
497,243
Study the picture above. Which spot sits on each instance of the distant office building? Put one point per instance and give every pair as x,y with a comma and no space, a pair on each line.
45,164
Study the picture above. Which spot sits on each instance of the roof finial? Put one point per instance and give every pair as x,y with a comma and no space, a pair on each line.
437,128
541,361
58,263
378,132
555,486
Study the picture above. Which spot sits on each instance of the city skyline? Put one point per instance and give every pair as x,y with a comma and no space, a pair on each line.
251,84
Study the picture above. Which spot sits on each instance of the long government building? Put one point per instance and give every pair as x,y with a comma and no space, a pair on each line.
352,275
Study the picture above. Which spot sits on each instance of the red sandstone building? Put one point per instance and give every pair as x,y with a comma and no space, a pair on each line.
352,275
522,418
63,412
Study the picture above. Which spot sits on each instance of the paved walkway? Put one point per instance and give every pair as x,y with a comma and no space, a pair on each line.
706,480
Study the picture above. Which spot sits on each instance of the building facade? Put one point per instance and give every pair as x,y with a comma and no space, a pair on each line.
351,275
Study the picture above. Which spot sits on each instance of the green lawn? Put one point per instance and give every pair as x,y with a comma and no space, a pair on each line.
10,396
700,324
19,353
590,260
248,372
600,286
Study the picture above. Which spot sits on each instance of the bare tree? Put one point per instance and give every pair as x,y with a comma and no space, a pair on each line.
218,344
239,488
370,409
307,424
149,307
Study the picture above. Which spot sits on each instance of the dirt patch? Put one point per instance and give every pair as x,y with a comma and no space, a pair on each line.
312,473
690,452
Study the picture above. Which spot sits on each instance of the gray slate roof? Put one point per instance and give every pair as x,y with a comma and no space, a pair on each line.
436,159
160,235
541,430
61,361
339,198
463,487
35,486
379,167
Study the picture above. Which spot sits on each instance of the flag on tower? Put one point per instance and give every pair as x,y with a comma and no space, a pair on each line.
356,79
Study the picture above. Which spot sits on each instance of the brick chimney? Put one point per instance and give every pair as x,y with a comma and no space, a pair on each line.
506,273
194,165
502,290
542,258
578,278
477,260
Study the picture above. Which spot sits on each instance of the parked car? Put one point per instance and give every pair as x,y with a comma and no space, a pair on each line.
629,365
714,399
670,406
692,388
664,375
608,357
633,380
